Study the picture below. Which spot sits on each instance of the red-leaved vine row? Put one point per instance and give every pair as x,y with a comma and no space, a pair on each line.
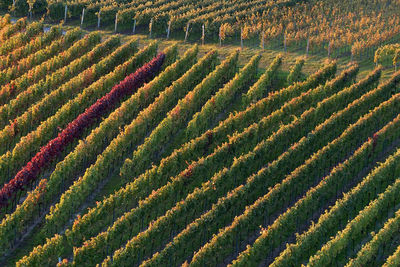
75,128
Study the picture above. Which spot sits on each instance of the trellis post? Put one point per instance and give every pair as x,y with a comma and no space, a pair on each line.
116,22
65,13
284,43
219,35
169,29
98,19
262,40
151,26
83,16
329,49
187,31
241,38
202,34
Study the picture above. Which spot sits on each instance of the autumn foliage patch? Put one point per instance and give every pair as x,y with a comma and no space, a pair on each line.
74,129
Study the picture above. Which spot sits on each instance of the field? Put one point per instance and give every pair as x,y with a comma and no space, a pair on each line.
251,143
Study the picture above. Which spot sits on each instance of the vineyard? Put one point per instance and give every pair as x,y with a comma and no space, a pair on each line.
355,29
122,151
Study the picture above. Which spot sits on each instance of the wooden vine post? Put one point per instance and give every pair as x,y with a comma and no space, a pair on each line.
241,38
116,22
151,26
202,34
219,35
98,19
351,59
168,29
13,9
329,49
262,40
65,13
187,31
134,26
284,43
83,16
